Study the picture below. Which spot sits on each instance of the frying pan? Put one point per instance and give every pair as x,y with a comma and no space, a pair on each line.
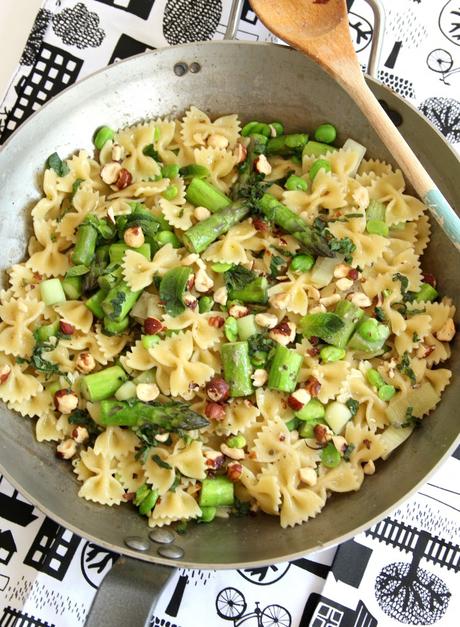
259,81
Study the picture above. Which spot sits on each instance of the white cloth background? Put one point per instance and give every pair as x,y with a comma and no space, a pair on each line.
402,570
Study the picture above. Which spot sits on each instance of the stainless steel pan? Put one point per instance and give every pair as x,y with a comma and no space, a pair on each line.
259,81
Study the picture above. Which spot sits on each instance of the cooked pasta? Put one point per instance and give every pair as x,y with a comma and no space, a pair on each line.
215,317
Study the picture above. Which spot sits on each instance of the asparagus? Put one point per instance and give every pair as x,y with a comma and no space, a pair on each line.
326,326
284,369
85,246
351,315
43,333
257,146
72,286
170,416
117,251
202,194
94,303
194,171
111,275
204,233
103,384
119,301
172,289
286,144
115,328
316,149
254,292
311,241
237,368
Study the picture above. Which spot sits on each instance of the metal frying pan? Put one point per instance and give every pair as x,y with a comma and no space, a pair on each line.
259,81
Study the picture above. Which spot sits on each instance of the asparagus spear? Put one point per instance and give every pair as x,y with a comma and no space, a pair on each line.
257,146
202,194
204,233
255,291
237,368
311,241
85,246
103,384
284,369
119,301
170,416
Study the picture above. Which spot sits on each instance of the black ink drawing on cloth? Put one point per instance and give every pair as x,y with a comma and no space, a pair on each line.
95,563
139,8
231,605
320,611
185,21
444,113
442,62
14,509
78,27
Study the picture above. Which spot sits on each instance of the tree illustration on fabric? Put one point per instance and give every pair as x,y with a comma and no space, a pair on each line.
185,21
449,21
408,30
360,30
444,113
78,27
95,563
35,39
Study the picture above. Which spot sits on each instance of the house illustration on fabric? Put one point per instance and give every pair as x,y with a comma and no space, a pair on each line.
54,69
12,617
140,8
7,546
52,549
324,612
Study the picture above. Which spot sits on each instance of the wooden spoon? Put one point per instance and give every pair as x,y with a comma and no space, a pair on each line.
319,28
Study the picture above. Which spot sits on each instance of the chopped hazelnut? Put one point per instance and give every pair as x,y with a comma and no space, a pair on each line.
203,282
341,271
190,301
283,333
369,468
162,437
214,411
110,172
217,389
238,311
201,213
298,399
66,449
308,476
322,433
80,434
216,321
147,392
259,377
266,320
124,179
233,453
221,295
447,331
360,299
217,141
5,372
134,237
152,326
240,153
65,401
262,165
85,362
117,152
344,284
327,301
234,471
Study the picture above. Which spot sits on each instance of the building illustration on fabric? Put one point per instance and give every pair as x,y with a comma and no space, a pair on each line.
127,47
52,549
140,8
323,612
404,590
14,509
7,546
53,70
13,617
231,605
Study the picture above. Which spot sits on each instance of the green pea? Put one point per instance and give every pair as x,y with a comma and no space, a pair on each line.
302,263
237,441
205,304
102,136
170,192
231,329
319,164
372,331
329,354
207,514
330,456
149,341
313,410
148,503
426,293
167,237
259,359
296,183
374,377
386,392
221,267
377,227
256,128
326,133
170,171
278,127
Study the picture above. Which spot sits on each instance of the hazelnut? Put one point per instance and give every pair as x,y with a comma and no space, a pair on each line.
66,328
66,449
322,434
446,332
283,333
327,301
238,311
162,437
214,459
234,471
218,141
80,434
134,237
217,389
344,284
313,386
190,301
360,299
369,468
215,411
124,179
85,362
190,259
298,399
259,224
262,165
266,320
233,453
353,274
216,321
203,282
5,372
259,377
117,152
308,476
110,172
152,326
221,295
240,153
147,391
65,401
201,213
341,271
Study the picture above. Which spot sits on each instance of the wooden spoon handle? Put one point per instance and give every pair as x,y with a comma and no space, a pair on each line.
405,157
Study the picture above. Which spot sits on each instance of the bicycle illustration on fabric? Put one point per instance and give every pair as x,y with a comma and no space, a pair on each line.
231,605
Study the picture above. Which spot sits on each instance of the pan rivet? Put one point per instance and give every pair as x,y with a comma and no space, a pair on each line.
194,67
171,552
180,69
162,536
137,543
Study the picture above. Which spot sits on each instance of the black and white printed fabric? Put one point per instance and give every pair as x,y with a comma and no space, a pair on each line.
404,570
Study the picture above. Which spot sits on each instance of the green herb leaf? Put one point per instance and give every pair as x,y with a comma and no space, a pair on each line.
344,246
352,405
41,364
404,367
407,295
348,451
172,290
380,314
276,264
161,463
55,163
83,419
117,304
149,151
238,277
260,343
76,271
75,186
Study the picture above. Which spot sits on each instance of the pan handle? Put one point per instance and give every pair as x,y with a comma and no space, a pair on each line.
377,39
128,594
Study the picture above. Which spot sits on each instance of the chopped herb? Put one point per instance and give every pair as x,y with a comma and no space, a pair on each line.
181,527
176,482
162,464
117,304
83,419
172,290
414,312
260,343
348,451
149,151
352,405
276,264
380,314
41,364
55,163
410,420
353,215
241,508
415,337
407,295
404,367
75,186
345,246
238,277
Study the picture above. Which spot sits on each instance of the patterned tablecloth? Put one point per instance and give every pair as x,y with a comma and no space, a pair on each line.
402,570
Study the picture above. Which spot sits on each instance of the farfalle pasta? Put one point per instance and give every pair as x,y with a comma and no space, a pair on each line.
216,319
